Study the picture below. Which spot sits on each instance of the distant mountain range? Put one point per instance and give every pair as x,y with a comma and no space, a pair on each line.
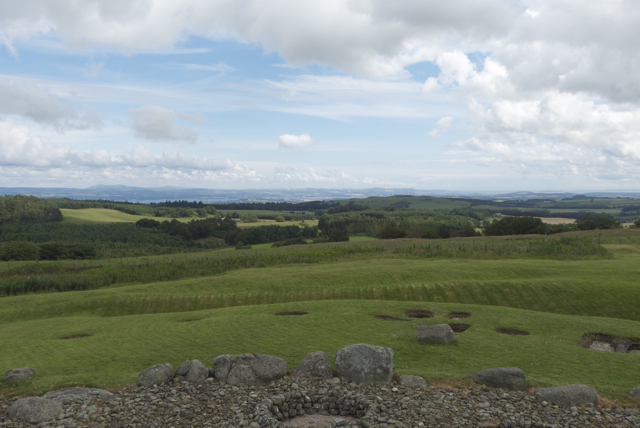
162,194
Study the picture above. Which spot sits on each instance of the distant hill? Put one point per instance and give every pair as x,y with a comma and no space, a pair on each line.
169,193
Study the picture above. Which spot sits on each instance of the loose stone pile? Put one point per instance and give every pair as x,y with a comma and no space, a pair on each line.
215,404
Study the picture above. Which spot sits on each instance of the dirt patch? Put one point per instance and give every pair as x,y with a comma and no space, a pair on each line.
459,328
419,314
512,331
291,313
458,315
76,336
609,343
388,318
314,420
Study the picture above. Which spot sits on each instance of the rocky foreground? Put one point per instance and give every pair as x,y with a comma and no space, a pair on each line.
216,404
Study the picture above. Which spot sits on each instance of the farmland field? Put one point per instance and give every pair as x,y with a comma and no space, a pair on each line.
101,215
202,312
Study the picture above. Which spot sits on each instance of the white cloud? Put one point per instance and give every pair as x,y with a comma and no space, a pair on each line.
158,123
220,68
19,148
295,142
441,126
23,98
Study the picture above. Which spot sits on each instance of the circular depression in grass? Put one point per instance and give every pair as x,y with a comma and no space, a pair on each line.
417,313
285,314
388,318
512,331
459,328
458,315
609,343
191,320
76,336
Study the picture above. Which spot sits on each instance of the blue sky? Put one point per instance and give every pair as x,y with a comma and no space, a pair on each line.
485,95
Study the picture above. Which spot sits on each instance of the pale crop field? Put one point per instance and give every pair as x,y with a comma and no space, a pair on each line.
102,215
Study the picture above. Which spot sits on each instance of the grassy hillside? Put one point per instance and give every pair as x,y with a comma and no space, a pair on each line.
203,312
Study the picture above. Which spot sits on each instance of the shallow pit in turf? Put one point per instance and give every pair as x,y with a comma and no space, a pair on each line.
76,336
459,328
512,331
388,318
191,320
417,313
285,314
608,343
458,315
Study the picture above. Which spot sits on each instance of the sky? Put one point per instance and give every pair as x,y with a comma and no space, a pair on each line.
485,95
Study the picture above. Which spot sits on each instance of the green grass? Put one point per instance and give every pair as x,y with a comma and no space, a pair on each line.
101,215
135,323
362,238
123,346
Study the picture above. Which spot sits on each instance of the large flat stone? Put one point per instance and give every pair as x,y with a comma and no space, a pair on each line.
511,378
35,410
439,333
568,395
156,375
249,369
16,375
315,364
365,364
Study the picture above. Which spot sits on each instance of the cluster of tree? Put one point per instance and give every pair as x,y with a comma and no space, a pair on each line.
22,250
179,204
148,236
428,224
515,226
542,213
594,221
271,233
277,206
155,210
195,229
350,207
28,209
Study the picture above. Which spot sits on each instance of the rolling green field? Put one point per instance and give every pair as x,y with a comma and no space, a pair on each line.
205,304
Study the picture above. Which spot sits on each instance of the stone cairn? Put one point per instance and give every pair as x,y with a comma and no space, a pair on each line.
358,364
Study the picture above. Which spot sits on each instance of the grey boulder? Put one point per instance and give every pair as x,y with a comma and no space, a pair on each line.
75,393
249,369
511,378
315,364
635,393
193,371
156,375
411,381
365,364
439,333
568,395
16,375
35,410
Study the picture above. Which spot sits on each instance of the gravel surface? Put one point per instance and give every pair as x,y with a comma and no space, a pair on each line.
213,404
